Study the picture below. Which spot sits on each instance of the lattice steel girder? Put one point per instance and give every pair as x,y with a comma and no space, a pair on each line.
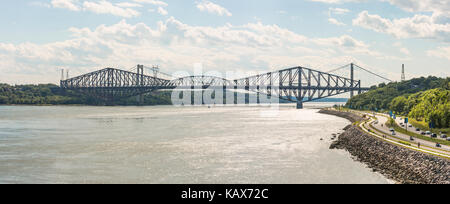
295,84
111,77
300,82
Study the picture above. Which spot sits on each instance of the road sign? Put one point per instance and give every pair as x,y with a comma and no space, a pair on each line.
406,120
390,113
431,125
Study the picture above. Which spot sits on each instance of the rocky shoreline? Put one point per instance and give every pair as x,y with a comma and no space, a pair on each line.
402,165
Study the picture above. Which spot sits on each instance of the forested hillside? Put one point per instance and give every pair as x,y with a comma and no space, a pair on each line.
423,99
50,94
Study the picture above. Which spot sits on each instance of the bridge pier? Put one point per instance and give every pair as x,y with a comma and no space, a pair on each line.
299,104
140,99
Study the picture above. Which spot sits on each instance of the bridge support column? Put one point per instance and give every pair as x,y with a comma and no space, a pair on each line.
352,77
300,89
299,104
359,87
140,82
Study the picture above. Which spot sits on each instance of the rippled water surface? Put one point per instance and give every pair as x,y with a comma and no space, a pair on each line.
69,144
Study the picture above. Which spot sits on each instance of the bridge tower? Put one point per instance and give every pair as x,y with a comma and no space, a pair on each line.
299,90
352,77
62,74
140,82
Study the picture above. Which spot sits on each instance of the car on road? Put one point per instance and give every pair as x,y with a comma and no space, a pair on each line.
443,136
418,129
438,145
428,132
423,133
410,126
411,138
393,133
392,129
448,138
434,135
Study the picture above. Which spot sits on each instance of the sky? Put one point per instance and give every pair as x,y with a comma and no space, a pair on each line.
39,38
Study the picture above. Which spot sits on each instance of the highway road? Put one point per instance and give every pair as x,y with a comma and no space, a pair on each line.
382,120
400,121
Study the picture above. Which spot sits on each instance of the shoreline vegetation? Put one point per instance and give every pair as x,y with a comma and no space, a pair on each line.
426,101
51,94
402,165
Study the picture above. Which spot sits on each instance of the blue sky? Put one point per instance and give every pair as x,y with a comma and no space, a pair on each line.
39,37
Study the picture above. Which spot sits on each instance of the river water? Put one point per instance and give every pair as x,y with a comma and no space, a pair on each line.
164,144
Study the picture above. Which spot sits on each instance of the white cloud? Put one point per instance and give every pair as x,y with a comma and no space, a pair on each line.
338,1
347,44
405,51
441,52
105,7
177,46
402,49
39,4
122,9
66,4
419,26
213,8
338,11
335,22
162,11
128,5
439,6
153,2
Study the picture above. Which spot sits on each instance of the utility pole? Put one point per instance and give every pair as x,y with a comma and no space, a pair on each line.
403,72
67,74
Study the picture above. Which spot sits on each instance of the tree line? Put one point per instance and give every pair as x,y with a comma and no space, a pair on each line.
50,94
423,99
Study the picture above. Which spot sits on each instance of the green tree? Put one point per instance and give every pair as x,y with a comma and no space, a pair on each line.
399,105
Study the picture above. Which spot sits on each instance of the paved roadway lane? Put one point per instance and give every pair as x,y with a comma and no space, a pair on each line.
382,121
413,129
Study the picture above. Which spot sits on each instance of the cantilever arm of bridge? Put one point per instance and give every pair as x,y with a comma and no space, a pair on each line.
297,84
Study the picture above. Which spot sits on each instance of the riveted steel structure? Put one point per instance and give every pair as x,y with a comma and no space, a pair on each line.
110,84
298,84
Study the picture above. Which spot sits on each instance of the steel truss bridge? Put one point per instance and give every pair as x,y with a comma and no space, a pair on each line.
297,84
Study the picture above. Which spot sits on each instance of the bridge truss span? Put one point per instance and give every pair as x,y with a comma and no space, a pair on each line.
298,84
200,82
